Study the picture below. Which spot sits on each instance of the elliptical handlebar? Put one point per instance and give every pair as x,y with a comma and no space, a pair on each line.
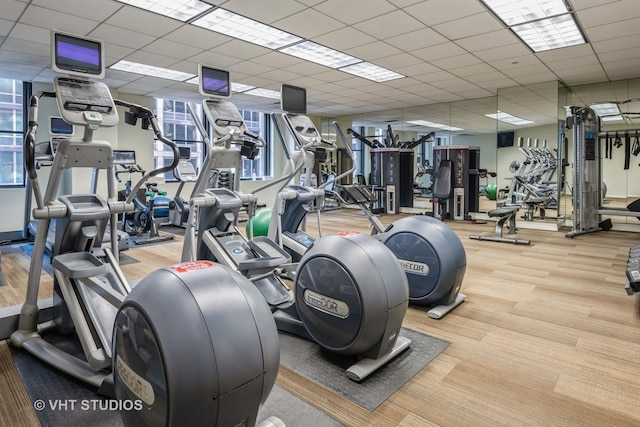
29,145
349,151
148,118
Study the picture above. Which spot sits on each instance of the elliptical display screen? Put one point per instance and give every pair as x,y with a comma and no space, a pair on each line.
59,126
77,56
185,152
214,82
124,157
293,99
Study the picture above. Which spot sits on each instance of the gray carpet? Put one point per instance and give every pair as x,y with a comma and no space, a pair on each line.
46,383
309,360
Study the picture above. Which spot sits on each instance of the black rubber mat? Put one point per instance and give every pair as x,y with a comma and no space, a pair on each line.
48,387
309,360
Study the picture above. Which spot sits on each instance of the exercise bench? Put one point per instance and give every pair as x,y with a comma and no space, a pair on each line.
503,215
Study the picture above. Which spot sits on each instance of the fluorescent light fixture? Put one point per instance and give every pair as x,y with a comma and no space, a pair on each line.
508,118
514,12
265,93
433,125
371,71
541,24
617,118
319,54
235,87
150,70
182,10
234,25
550,33
606,109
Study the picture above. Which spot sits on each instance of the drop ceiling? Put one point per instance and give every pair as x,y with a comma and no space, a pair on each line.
447,52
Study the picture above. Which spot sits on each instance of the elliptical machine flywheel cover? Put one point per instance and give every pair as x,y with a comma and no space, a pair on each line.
350,293
194,344
432,256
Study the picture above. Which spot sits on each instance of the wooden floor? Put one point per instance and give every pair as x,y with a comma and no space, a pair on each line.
547,337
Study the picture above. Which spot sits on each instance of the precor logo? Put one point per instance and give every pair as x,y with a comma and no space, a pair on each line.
414,267
328,305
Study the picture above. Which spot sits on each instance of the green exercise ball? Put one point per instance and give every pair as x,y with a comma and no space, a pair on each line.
260,222
490,191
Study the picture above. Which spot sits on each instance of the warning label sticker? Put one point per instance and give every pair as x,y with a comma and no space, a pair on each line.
185,267
347,233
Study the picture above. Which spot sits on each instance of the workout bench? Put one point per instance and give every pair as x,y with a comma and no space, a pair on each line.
507,215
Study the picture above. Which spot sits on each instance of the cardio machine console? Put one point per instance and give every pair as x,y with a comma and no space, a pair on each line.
84,102
304,128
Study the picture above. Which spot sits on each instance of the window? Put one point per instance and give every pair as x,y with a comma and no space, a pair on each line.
258,123
11,132
177,124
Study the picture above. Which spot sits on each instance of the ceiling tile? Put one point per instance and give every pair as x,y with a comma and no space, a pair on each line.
390,25
502,37
458,61
12,9
394,62
434,77
143,21
613,31
5,27
197,37
99,10
372,51
433,12
418,39
277,60
344,38
417,69
306,68
267,11
240,49
469,26
351,12
444,50
149,58
47,18
566,53
17,45
504,52
621,10
24,59
249,68
280,75
172,49
121,36
574,63
472,70
31,33
309,24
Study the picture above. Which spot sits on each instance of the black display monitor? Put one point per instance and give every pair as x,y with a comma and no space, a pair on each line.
505,139
77,56
185,152
293,99
214,82
124,157
59,126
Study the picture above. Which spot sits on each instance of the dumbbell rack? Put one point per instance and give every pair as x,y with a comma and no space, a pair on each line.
633,271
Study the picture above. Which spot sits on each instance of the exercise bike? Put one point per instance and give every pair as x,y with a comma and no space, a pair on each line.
350,294
134,348
430,253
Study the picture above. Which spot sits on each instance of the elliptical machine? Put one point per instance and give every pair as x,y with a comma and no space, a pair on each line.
133,345
350,294
430,253
185,173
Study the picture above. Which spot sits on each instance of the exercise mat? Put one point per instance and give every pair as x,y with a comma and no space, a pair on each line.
306,358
